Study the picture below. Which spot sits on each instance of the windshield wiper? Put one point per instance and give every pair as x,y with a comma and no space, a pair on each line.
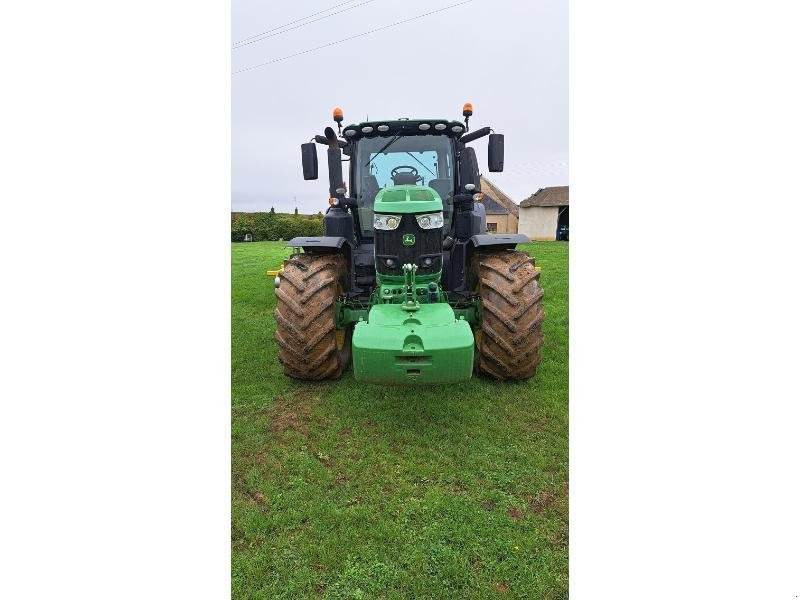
382,150
422,163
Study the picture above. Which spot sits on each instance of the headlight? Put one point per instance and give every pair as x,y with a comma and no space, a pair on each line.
430,220
386,222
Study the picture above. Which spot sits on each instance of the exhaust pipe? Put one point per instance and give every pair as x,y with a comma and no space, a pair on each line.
335,179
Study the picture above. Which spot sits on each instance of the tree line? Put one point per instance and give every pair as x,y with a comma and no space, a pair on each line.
274,226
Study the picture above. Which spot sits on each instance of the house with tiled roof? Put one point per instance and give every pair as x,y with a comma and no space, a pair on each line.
502,213
545,214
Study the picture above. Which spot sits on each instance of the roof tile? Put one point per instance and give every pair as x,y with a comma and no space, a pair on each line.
549,196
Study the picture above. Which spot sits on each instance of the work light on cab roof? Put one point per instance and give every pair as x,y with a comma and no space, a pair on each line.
338,116
406,284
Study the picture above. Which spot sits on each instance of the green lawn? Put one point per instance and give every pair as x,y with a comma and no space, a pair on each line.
346,490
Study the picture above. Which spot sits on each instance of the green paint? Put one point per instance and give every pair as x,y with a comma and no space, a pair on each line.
470,314
429,345
405,338
411,303
347,314
407,199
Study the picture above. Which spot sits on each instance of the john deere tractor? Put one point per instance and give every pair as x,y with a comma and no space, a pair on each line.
405,283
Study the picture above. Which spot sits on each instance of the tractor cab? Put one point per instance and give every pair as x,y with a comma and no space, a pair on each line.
382,154
385,154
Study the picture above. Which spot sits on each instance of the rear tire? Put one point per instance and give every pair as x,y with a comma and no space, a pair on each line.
305,316
508,341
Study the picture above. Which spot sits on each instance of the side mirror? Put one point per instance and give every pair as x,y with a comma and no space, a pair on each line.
468,170
310,165
496,142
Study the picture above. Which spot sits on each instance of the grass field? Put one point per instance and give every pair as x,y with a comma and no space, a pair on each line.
346,490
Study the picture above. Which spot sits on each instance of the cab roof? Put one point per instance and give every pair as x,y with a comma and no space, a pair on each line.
389,128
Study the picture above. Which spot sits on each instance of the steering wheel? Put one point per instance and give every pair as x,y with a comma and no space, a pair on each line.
409,171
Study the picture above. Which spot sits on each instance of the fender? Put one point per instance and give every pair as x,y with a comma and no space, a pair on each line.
324,243
500,241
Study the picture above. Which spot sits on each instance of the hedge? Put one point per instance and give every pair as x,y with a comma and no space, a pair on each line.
274,226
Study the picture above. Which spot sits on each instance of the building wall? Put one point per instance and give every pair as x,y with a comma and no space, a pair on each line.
539,222
513,223
501,221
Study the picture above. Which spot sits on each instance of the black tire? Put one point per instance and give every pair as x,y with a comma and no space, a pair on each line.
308,344
508,342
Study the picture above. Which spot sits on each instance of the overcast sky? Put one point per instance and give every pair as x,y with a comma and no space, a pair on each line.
509,58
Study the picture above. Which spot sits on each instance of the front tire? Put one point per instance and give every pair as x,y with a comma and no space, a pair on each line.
508,342
308,345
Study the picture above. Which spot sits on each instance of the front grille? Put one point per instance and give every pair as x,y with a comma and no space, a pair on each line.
427,244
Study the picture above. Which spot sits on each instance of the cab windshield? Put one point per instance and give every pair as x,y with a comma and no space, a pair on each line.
411,160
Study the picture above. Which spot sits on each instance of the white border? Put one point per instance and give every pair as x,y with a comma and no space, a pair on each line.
684,319
114,434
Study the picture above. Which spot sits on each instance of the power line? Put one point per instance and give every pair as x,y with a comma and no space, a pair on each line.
293,22
242,44
352,37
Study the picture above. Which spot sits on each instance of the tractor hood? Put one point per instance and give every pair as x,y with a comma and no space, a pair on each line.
405,199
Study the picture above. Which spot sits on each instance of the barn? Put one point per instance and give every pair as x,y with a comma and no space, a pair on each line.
545,214
502,213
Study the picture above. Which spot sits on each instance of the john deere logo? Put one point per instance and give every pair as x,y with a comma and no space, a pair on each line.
408,239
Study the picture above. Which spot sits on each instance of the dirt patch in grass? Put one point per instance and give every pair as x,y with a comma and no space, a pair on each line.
559,539
538,424
268,460
514,513
341,479
287,419
490,505
257,497
500,587
292,411
541,501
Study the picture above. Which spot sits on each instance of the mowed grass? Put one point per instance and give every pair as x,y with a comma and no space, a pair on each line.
348,490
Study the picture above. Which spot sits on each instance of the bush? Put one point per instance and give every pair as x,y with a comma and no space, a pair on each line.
265,226
240,225
274,226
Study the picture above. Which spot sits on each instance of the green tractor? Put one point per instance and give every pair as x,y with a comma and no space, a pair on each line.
405,283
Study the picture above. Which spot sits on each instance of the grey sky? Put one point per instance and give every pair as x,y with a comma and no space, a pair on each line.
510,59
